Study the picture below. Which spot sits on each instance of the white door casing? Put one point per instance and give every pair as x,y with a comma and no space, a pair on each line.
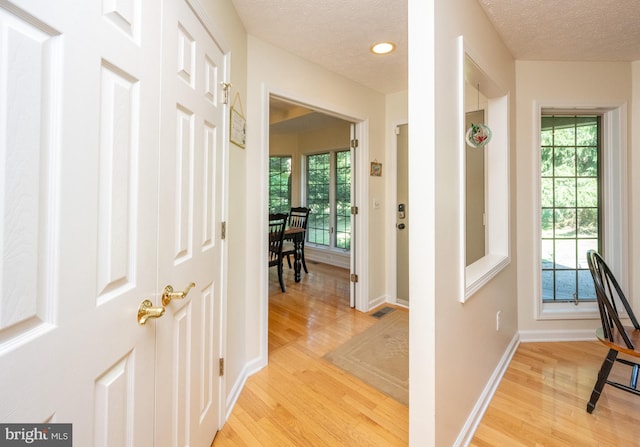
79,85
193,132
353,224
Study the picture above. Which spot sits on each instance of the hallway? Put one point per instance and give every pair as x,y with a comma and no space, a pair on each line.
301,399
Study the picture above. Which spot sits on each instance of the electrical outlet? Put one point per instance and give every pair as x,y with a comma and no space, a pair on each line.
498,321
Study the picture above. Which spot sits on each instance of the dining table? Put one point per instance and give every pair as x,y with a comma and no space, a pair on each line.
296,235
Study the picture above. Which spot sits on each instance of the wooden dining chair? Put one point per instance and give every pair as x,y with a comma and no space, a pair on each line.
613,334
298,218
277,225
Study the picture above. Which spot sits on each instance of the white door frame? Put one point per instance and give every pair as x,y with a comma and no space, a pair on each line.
361,192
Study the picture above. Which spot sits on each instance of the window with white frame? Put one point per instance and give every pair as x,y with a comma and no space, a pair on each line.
566,205
328,194
571,205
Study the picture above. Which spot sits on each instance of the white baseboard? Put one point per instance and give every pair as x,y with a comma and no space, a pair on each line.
375,302
470,427
233,396
558,335
325,256
386,299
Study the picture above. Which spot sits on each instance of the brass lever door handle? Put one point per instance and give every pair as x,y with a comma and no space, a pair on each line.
146,311
169,294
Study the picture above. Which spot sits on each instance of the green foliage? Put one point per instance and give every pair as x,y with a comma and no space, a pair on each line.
569,188
319,179
279,184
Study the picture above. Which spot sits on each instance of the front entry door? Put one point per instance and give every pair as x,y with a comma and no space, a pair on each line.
79,85
190,248
402,215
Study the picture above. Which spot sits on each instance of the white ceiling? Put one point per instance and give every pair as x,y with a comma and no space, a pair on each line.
337,34
568,30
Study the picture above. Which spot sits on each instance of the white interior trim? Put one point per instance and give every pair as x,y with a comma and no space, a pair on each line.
558,335
498,252
475,417
615,227
362,196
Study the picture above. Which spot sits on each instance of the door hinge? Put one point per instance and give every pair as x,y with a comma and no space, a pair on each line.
354,143
221,367
354,210
223,230
354,277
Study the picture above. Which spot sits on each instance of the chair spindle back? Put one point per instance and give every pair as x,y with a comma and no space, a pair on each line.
608,292
277,224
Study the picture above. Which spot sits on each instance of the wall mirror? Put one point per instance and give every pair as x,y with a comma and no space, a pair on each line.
484,176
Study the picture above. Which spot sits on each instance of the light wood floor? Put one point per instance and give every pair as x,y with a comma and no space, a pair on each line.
542,401
301,400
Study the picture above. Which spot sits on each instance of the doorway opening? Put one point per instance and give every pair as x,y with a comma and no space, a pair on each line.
312,165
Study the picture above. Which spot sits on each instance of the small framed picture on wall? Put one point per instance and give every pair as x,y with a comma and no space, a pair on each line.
238,131
376,169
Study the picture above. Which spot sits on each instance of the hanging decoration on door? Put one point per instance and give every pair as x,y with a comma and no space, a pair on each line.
237,123
478,135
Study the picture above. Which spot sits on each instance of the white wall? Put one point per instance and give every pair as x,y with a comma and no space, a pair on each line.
467,346
634,186
272,70
560,83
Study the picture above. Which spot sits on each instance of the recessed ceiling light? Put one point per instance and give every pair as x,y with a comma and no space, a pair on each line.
383,48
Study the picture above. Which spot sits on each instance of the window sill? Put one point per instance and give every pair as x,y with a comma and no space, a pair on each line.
568,311
482,271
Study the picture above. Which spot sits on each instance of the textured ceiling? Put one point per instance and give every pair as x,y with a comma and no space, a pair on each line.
337,34
568,30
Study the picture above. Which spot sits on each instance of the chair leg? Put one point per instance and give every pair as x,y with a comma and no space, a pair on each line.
289,260
280,278
304,264
634,376
605,369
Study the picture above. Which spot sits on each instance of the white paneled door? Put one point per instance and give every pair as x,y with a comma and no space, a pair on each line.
191,187
110,189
